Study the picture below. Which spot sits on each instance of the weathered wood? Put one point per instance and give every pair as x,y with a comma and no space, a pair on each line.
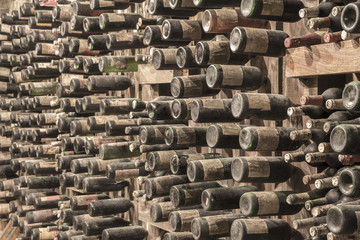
323,59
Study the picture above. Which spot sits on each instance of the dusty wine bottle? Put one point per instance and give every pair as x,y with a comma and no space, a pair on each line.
260,169
121,41
100,184
183,136
224,197
267,203
107,83
49,201
162,7
260,106
245,78
117,150
343,139
349,15
115,22
271,139
117,127
191,86
160,160
96,226
301,198
224,20
164,59
119,64
185,57
184,30
212,110
153,37
305,40
109,206
209,170
160,186
180,221
97,42
251,229
133,232
213,226
258,41
218,52
316,135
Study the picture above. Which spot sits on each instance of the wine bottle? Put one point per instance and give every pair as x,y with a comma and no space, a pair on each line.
178,163
325,22
134,232
224,197
223,136
181,108
164,59
316,135
97,42
153,37
224,20
180,221
331,196
286,11
160,160
107,83
348,181
314,112
62,13
267,204
185,57
338,116
209,170
271,139
159,110
320,100
49,202
162,7
212,110
91,24
47,215
218,52
116,106
301,198
300,156
342,219
343,139
191,86
105,5
160,186
102,184
260,169
119,64
348,159
96,226
308,222
213,226
244,78
333,37
43,182
260,106
160,211
323,10
116,150
183,136
184,30
251,229
305,40
115,22
109,206
121,41
348,18
117,127
189,194
258,41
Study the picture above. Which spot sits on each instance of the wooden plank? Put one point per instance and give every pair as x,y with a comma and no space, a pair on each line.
323,59
147,74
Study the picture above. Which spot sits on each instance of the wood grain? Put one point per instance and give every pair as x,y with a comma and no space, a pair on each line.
323,59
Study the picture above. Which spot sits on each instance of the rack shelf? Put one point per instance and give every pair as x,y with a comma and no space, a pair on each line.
323,59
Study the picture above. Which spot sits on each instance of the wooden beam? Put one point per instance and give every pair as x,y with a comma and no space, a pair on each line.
323,59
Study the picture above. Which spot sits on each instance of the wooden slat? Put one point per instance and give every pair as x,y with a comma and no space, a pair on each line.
323,59
148,75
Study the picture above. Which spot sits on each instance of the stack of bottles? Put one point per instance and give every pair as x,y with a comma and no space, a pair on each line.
65,131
